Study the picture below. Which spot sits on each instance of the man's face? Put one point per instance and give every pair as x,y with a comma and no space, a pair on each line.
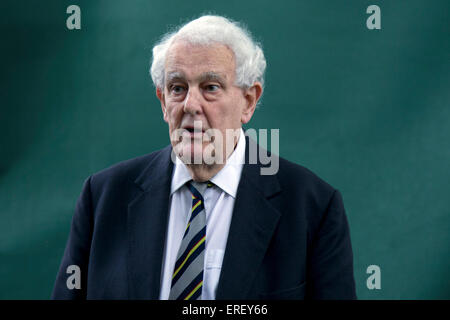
199,87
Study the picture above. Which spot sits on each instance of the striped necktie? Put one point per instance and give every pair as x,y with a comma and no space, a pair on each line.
187,278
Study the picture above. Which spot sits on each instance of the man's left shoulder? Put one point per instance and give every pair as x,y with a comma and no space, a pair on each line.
295,176
304,192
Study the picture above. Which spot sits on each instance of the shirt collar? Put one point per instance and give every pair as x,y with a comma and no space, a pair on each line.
226,179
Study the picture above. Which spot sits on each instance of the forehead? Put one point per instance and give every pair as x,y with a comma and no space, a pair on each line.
191,60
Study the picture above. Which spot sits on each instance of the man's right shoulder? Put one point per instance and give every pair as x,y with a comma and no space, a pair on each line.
127,171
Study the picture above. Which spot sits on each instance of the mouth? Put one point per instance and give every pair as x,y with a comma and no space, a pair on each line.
193,130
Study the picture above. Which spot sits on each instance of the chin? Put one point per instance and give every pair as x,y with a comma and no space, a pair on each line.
191,153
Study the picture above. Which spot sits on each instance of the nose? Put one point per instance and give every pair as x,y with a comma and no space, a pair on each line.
192,103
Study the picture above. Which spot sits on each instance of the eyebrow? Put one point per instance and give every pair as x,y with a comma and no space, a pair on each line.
206,76
212,76
175,76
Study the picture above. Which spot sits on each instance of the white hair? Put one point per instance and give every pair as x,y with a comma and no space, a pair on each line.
208,30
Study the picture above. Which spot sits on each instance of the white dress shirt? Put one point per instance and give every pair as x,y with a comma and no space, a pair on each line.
219,203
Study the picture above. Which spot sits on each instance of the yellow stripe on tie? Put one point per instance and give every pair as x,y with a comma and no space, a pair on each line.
187,226
189,254
194,290
196,205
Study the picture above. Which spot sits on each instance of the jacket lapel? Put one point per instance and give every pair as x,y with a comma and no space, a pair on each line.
147,225
253,222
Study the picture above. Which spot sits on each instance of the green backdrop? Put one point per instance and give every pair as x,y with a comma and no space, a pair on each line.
367,110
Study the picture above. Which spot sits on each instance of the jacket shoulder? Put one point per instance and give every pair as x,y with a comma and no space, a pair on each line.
123,173
295,176
305,190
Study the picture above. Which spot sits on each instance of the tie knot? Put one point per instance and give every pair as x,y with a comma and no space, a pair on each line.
198,188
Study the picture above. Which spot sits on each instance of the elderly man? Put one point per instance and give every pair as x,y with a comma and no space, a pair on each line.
198,220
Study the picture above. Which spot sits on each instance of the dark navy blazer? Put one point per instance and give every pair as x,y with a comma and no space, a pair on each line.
289,236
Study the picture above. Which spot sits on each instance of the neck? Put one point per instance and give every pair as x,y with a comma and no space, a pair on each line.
203,172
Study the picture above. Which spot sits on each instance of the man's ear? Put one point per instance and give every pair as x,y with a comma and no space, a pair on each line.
252,96
161,98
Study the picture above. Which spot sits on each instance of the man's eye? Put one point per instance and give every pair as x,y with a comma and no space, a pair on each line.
176,89
212,87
